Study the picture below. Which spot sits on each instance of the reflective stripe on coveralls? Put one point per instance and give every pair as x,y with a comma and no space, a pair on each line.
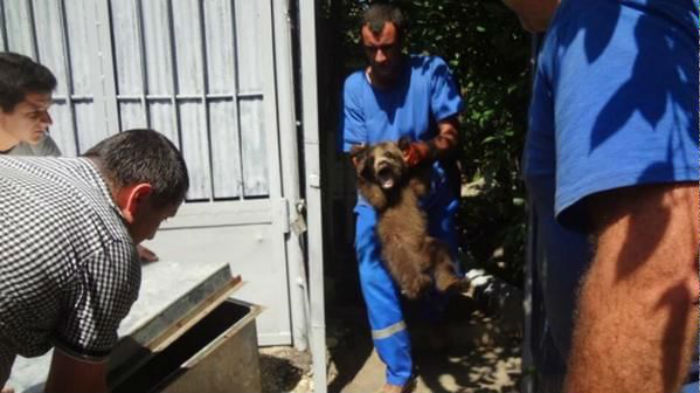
381,295
388,331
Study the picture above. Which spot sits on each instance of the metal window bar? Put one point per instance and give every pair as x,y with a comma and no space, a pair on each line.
108,99
236,103
65,48
203,97
32,26
209,96
72,99
3,27
142,65
174,83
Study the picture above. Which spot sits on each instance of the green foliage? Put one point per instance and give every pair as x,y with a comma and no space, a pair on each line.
488,52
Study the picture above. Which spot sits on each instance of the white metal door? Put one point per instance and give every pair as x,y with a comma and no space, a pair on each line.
203,73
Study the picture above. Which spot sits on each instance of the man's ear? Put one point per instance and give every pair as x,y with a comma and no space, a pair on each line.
132,198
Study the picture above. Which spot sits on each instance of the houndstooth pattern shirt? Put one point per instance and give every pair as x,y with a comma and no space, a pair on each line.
69,272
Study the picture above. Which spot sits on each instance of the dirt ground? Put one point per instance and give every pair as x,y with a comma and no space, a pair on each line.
481,354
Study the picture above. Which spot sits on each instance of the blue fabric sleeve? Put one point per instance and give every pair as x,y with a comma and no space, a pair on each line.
445,100
352,120
625,109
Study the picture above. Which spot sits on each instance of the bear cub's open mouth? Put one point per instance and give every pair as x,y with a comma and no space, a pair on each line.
386,173
385,176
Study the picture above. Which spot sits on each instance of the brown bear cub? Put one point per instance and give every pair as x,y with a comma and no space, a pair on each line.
413,257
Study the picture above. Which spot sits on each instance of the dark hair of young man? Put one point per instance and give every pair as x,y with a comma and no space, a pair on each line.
379,13
143,156
20,75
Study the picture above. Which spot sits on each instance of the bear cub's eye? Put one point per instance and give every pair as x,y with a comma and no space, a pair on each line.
393,156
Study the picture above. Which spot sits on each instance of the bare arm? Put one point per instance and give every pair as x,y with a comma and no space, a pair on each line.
534,14
637,313
445,143
145,254
69,374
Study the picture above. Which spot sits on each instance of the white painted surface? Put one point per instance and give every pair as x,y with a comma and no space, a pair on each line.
16,15
252,249
307,10
202,72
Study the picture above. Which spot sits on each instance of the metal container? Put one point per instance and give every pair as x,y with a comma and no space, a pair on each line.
202,342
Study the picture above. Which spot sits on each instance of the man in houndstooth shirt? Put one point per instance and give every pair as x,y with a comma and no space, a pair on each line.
25,97
69,271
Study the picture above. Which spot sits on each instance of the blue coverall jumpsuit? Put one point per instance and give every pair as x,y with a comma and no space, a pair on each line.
424,95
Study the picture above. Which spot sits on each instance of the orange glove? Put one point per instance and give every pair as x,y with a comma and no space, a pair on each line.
415,153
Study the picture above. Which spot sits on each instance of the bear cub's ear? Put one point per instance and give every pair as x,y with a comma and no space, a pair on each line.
356,150
359,155
404,142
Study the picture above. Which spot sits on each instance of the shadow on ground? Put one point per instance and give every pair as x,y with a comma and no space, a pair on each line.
349,346
481,353
283,369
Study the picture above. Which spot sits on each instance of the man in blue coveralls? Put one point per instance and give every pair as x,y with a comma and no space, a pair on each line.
612,156
399,95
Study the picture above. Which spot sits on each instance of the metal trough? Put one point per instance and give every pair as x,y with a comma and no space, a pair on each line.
202,342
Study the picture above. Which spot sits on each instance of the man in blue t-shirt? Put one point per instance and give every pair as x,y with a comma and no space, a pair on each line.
612,156
395,96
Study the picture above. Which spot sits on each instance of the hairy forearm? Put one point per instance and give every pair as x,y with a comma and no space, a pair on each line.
70,374
637,316
444,146
534,14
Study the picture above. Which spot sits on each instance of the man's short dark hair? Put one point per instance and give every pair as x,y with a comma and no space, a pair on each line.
20,75
377,14
143,156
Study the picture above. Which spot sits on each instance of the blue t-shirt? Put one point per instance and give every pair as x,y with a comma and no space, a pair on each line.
615,104
616,99
424,95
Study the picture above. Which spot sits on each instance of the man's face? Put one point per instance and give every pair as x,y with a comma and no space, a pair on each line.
148,219
383,50
29,120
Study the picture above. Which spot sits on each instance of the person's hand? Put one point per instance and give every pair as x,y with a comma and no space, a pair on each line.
415,152
145,254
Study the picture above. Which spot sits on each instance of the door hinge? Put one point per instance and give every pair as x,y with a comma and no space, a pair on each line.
298,224
293,217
